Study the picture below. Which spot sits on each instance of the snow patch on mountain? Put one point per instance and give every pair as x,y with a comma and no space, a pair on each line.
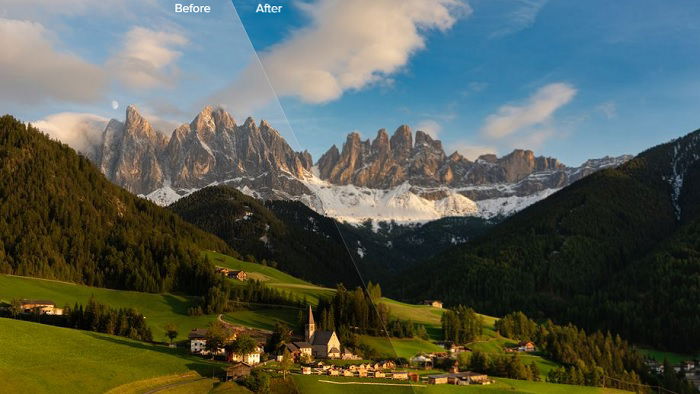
357,204
505,206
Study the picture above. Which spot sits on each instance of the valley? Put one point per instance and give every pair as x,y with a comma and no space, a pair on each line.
118,264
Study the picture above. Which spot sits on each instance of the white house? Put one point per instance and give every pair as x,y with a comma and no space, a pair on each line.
250,358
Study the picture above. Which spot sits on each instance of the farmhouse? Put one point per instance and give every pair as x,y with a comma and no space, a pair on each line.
324,344
198,341
526,346
459,378
250,358
299,349
239,275
237,371
433,303
41,306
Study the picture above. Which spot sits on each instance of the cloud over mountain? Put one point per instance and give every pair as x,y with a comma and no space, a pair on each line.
81,131
147,58
347,45
34,70
535,111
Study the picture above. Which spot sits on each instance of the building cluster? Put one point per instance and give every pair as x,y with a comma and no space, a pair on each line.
232,274
382,369
198,345
690,368
45,307
524,346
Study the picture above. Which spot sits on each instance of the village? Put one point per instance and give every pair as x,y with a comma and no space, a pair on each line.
242,350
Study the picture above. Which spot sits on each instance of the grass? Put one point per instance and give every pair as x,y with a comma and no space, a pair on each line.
674,358
51,359
396,347
159,309
263,318
272,277
311,384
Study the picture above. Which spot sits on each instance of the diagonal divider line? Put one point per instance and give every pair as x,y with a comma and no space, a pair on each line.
340,233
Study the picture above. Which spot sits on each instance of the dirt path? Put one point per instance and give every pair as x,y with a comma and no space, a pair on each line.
171,385
237,326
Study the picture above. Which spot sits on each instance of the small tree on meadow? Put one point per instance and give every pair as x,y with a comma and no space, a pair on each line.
171,332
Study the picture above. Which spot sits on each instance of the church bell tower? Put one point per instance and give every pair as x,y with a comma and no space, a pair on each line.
310,327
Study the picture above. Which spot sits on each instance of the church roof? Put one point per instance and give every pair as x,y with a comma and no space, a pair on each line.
322,337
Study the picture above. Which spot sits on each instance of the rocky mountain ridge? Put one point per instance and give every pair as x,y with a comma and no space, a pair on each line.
390,178
209,149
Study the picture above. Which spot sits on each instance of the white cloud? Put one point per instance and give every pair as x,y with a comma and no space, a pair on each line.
431,127
520,17
81,131
472,152
608,108
537,110
147,58
347,45
33,70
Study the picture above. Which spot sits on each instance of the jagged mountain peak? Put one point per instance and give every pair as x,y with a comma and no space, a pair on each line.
250,123
402,176
209,149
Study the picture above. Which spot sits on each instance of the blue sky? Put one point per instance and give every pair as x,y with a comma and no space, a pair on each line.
573,80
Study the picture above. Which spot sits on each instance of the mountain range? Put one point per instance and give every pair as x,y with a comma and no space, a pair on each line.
388,178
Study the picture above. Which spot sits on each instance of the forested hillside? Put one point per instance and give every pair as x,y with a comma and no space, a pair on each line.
253,230
61,219
306,244
618,250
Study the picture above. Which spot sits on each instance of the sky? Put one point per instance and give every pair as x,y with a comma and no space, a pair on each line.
569,79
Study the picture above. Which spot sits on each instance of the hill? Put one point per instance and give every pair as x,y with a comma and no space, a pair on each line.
319,249
617,250
47,359
62,219
253,230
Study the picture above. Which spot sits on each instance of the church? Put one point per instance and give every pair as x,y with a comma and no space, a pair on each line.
324,344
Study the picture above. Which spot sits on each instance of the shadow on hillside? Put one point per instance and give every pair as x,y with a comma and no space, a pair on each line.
179,305
204,367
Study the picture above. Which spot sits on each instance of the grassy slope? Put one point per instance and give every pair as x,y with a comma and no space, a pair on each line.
272,277
674,358
159,309
63,360
311,384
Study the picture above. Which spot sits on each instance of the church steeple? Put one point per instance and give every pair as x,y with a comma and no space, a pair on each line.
310,327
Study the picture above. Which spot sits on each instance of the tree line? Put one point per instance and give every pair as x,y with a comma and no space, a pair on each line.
94,316
358,311
591,359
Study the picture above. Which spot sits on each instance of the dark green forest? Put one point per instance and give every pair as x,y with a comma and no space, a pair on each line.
591,359
259,235
61,219
609,252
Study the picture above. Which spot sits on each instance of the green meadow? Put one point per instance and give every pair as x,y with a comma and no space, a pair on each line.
38,358
316,384
159,309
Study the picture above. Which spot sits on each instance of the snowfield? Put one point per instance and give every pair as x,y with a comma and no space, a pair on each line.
402,204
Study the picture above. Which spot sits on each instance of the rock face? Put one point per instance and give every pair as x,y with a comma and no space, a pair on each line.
212,148
402,177
388,162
